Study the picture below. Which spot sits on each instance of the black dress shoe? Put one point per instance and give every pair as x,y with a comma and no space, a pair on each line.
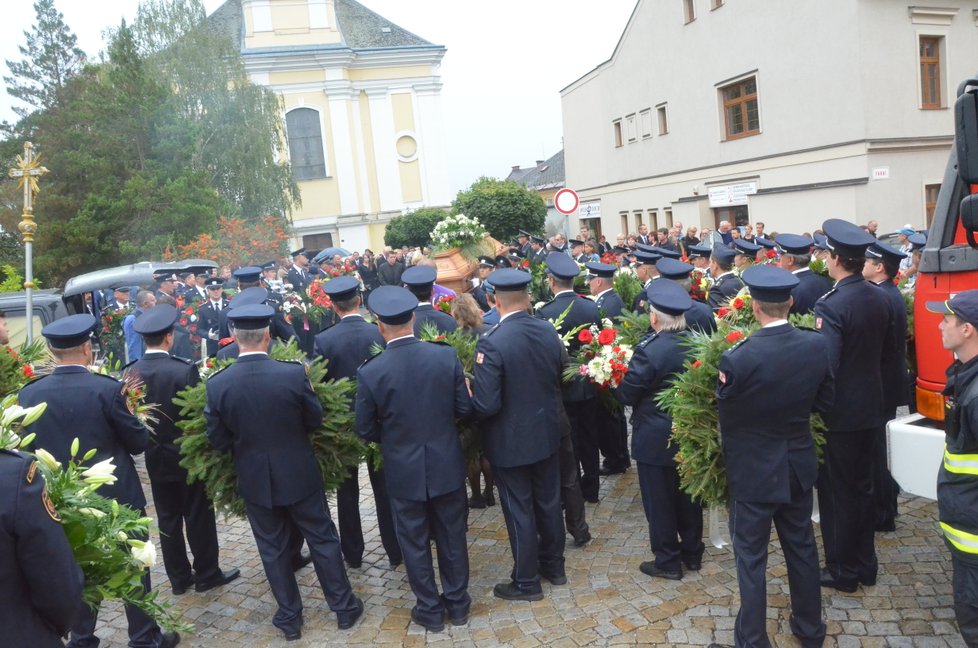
511,592
582,539
301,561
459,620
649,568
180,588
826,579
693,565
555,579
354,564
349,619
430,627
477,502
223,578
170,639
868,581
612,470
591,499
395,563
292,635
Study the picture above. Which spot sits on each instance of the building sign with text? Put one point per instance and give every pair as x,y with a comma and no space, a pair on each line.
589,210
730,195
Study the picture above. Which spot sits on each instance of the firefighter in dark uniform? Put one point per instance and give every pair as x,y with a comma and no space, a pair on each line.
253,295
699,317
40,582
699,256
579,398
298,274
517,394
92,408
250,277
486,265
345,347
796,256
647,272
856,321
726,283
957,483
209,315
408,399
490,318
675,521
770,460
278,475
882,266
177,502
538,250
420,280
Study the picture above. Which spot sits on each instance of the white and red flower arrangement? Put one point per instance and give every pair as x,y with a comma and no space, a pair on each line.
602,358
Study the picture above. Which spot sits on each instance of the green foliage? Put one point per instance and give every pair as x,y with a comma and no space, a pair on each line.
16,368
632,327
462,341
414,229
503,207
539,283
628,287
335,444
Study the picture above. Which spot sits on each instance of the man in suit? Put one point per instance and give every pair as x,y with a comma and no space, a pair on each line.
120,300
389,274
209,315
577,250
408,399
675,521
643,235
177,502
771,461
523,241
646,271
796,256
517,395
486,265
491,317
726,284
699,317
420,280
857,323
538,250
299,272
250,277
40,582
278,475
579,396
92,408
345,346
882,266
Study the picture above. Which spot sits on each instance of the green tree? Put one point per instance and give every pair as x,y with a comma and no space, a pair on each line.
414,229
51,59
502,206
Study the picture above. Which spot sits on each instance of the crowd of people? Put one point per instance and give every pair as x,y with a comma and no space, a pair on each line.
540,438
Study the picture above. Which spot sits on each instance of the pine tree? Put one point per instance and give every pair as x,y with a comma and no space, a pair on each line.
51,59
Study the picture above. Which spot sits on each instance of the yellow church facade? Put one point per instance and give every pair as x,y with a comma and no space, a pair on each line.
361,101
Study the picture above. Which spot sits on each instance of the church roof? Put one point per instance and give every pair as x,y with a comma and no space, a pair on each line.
360,28
548,174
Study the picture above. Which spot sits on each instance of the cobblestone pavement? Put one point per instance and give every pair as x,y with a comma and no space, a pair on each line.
607,601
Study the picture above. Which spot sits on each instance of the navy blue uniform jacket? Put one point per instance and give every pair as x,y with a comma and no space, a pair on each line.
91,407
517,390
346,345
761,451
40,582
857,323
896,380
726,286
164,376
444,322
408,398
654,364
810,287
610,304
263,410
583,311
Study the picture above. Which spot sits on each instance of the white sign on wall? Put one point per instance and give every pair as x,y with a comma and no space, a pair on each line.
729,195
589,210
881,173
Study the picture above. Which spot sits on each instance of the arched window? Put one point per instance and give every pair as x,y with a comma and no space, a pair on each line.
305,144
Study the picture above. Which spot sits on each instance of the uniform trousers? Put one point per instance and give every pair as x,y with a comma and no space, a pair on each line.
885,488
750,530
143,630
176,502
570,489
530,497
965,588
613,440
675,521
585,432
348,516
845,503
442,517
270,527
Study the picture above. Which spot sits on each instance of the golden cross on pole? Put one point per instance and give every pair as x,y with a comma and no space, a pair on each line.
28,170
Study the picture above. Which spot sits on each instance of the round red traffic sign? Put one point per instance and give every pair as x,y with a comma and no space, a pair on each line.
566,201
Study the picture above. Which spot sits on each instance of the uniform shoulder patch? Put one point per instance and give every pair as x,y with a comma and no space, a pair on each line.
298,362
491,331
106,376
31,473
214,373
182,360
127,365
644,342
827,295
738,345
49,505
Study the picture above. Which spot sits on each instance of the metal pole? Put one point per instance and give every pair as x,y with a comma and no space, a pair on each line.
29,288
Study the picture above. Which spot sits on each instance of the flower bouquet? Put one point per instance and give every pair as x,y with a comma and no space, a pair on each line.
17,369
444,304
602,358
699,285
738,311
111,337
609,258
458,231
108,540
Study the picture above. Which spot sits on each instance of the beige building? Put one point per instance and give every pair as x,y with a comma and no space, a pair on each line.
785,113
362,112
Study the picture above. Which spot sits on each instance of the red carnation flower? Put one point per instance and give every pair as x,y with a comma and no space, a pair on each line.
585,337
606,336
738,303
722,312
189,310
27,371
106,329
770,254
696,364
734,336
183,321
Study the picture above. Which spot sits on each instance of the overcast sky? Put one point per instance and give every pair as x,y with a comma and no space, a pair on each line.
506,63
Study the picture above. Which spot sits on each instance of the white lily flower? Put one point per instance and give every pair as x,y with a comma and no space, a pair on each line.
34,413
90,512
47,459
11,414
144,553
101,473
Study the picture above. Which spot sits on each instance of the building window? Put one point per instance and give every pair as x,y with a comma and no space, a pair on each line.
317,241
630,125
930,202
653,220
624,223
638,219
668,214
740,114
689,11
305,144
663,119
618,139
930,72
646,119
717,4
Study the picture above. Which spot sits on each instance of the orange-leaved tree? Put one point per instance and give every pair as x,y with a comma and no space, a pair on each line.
238,242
